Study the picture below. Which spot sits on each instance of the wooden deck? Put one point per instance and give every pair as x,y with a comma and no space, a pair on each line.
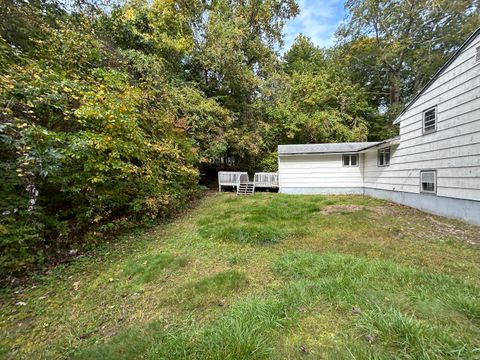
266,179
231,178
240,180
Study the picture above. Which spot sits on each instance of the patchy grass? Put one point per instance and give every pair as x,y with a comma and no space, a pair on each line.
243,234
150,267
211,289
263,277
404,310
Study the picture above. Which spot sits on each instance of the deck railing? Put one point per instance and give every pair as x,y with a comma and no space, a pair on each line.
231,178
266,179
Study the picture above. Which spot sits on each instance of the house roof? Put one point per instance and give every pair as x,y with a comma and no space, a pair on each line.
439,72
392,141
327,148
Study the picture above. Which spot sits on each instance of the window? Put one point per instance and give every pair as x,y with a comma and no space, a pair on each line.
350,160
384,157
430,120
478,54
428,181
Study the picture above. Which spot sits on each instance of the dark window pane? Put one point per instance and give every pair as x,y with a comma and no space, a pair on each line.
428,187
384,157
346,160
353,160
380,158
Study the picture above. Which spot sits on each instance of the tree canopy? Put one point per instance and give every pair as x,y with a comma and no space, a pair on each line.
400,44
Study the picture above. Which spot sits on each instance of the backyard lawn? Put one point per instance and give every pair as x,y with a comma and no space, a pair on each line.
268,276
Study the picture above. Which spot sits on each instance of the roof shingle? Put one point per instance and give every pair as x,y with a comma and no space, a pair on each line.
350,147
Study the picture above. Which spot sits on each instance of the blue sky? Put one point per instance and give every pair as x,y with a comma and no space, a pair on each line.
318,20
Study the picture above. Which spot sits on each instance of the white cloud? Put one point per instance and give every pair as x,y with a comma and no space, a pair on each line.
317,20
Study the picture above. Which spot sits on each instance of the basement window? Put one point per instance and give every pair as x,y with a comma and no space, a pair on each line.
384,157
350,160
428,181
430,120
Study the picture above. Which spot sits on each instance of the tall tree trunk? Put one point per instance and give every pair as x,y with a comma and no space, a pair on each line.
395,81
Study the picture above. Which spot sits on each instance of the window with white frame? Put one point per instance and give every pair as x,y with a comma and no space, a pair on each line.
428,181
430,120
384,157
350,160
477,58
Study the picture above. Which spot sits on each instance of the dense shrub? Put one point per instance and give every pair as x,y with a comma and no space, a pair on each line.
87,144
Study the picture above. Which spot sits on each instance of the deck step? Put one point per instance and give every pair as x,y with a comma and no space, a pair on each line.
245,189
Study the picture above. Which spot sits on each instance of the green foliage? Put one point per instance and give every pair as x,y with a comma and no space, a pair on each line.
394,47
86,146
269,162
204,120
236,54
311,101
161,28
304,57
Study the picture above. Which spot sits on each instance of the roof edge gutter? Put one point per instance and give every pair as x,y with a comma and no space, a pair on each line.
321,153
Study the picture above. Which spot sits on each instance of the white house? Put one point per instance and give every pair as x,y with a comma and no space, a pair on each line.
433,165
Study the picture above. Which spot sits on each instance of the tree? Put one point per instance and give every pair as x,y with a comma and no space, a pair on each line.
304,56
90,135
309,100
411,39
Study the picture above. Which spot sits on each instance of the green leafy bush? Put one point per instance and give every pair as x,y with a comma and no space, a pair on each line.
89,145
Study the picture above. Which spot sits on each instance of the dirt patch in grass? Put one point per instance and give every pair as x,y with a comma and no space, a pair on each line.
341,209
446,229
382,210
418,225
385,210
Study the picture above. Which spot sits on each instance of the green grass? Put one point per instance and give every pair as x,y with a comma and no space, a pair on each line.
211,289
150,267
411,312
263,277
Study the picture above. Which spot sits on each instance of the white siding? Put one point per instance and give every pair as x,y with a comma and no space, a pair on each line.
453,150
318,172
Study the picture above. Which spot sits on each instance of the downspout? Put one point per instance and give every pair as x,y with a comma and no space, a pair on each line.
279,175
362,169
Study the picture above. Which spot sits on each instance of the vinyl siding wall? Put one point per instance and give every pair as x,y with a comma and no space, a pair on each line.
319,174
453,150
